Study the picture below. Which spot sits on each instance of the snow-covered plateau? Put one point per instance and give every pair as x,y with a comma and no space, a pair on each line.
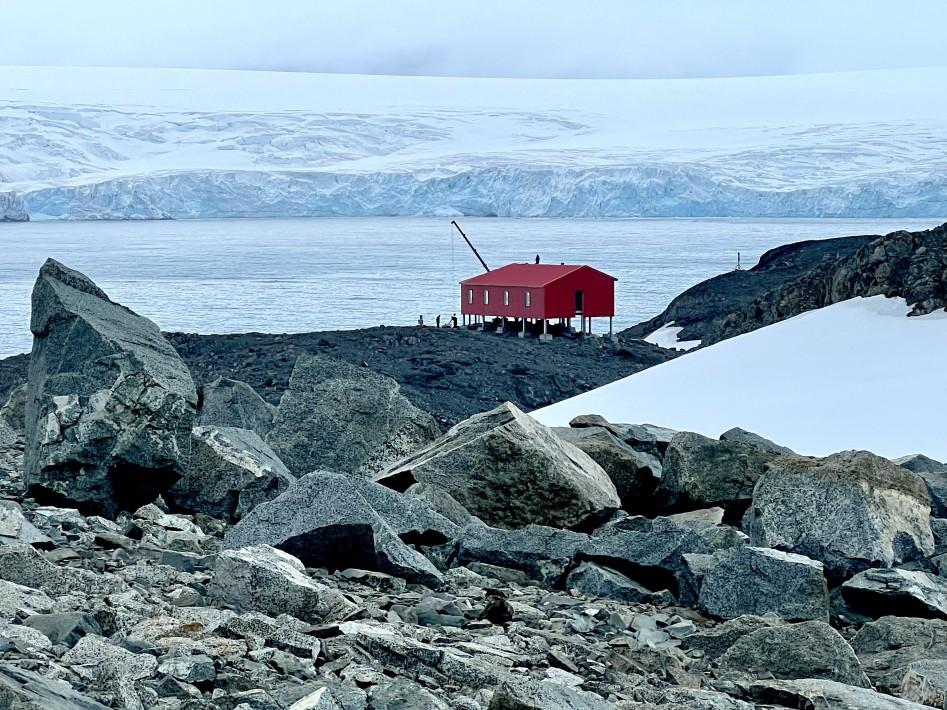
858,374
96,143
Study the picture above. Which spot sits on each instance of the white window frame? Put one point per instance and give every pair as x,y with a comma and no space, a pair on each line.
486,297
529,299
506,298
470,296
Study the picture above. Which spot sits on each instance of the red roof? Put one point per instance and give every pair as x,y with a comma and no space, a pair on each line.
526,275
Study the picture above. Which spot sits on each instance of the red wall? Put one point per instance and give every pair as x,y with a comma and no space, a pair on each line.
555,300
516,309
599,294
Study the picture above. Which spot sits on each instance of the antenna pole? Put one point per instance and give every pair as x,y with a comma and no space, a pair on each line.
472,248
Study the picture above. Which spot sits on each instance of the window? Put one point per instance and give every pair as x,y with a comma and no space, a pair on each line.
506,298
529,299
486,297
469,295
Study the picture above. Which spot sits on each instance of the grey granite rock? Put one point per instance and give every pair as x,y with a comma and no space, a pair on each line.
110,404
232,403
925,682
510,471
748,437
22,689
64,628
264,579
230,472
14,410
339,417
825,695
882,592
888,646
811,649
701,472
716,641
333,520
597,581
851,511
544,695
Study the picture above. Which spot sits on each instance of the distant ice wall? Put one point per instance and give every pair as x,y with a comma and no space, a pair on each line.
665,190
13,208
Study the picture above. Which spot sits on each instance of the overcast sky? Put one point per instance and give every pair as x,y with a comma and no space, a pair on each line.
538,38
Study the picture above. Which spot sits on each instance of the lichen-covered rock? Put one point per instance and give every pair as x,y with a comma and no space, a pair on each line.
811,649
339,417
878,592
232,403
510,471
851,511
753,580
112,668
338,521
635,474
230,472
544,695
748,437
701,472
888,646
264,579
110,404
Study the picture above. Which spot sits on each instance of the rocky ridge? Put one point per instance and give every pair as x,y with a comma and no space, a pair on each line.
800,277
654,569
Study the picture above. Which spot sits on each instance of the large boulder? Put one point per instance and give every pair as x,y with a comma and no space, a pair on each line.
635,474
701,472
544,695
754,580
878,592
264,579
820,694
541,552
715,641
338,521
811,649
232,403
851,511
934,474
110,404
926,683
21,688
748,437
339,417
888,646
230,472
510,471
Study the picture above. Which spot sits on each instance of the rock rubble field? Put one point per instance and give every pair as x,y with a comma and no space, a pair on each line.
166,548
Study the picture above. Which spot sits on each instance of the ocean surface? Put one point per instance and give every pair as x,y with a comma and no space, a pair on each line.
296,275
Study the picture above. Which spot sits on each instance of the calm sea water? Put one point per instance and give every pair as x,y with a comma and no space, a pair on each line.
286,275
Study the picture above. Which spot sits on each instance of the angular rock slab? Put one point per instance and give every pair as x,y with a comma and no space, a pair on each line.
24,689
14,411
264,579
850,511
811,649
544,695
926,683
230,472
825,695
881,592
634,474
701,472
337,521
754,580
232,403
510,471
110,403
339,417
888,646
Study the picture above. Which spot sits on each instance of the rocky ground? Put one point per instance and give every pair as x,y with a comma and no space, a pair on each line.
450,373
340,551
795,278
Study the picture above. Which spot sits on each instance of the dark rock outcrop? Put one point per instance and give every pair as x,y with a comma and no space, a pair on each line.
510,471
888,646
876,592
110,404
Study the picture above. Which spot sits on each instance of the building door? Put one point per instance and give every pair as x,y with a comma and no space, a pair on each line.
579,302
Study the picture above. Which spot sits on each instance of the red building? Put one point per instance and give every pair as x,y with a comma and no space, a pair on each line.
540,293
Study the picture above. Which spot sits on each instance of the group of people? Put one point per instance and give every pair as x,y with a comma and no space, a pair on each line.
452,323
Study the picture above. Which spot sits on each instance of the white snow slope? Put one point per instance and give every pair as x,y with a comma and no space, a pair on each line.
855,375
86,143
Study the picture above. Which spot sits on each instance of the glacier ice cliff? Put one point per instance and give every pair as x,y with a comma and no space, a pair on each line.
13,208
